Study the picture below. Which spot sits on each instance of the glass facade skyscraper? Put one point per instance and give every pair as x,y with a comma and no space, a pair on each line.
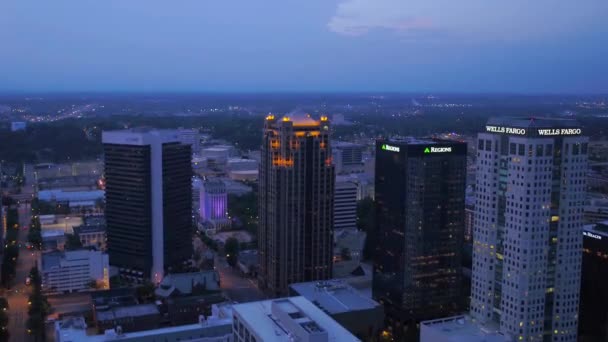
420,193
148,202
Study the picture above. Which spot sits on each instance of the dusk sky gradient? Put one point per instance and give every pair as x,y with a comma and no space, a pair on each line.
522,46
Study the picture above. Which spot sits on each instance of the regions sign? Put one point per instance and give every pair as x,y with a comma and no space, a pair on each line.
387,147
437,150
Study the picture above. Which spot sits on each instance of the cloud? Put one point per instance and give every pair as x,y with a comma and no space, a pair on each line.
469,19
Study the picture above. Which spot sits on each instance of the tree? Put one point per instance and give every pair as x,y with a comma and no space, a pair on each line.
4,334
345,254
366,221
39,307
145,292
34,236
72,242
232,250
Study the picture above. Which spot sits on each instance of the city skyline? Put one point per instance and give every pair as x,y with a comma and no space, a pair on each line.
327,46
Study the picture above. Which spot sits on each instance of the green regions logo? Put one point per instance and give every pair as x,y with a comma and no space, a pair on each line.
387,147
437,150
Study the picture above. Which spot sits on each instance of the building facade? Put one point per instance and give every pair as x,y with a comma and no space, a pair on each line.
214,203
594,298
296,192
348,157
148,202
74,271
345,204
420,192
527,234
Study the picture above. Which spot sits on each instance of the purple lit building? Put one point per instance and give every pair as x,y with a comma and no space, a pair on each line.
214,204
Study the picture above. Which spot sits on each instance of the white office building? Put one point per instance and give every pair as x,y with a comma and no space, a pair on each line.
285,319
73,271
345,204
348,157
190,136
527,230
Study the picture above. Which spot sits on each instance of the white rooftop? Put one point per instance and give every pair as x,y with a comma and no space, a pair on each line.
334,296
459,329
262,317
74,329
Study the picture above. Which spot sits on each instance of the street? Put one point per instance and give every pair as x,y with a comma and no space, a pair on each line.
236,287
18,294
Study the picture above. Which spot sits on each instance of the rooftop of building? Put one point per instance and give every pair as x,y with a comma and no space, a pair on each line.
334,296
534,122
119,312
262,316
115,297
459,329
52,233
54,259
342,144
185,283
89,229
140,136
600,228
62,195
93,220
402,141
74,329
300,118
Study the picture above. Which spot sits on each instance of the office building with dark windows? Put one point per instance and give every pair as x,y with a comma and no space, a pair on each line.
296,206
594,297
420,194
148,202
527,237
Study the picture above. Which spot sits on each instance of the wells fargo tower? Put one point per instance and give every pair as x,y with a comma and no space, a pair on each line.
295,202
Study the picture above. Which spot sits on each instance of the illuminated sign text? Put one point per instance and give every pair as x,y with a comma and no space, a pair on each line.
559,131
591,235
437,149
390,148
508,130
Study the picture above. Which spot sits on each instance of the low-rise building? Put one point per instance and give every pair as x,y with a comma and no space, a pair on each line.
211,329
53,239
348,251
285,319
186,310
459,329
128,318
73,271
92,236
192,283
248,262
361,315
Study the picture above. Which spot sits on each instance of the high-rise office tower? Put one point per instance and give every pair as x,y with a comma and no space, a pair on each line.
345,203
420,194
295,202
527,233
148,202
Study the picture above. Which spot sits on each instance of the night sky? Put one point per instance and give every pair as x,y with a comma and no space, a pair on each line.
523,46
